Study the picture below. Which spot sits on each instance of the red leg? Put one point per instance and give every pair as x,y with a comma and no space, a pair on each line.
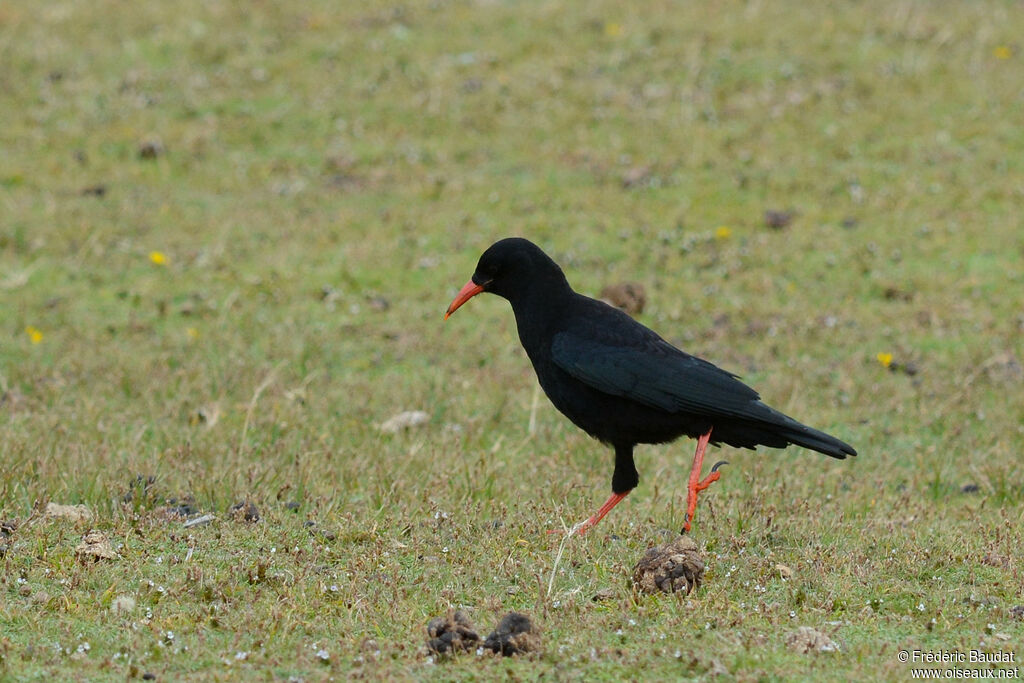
612,501
696,484
585,525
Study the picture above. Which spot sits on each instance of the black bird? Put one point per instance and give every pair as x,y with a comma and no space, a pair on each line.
620,382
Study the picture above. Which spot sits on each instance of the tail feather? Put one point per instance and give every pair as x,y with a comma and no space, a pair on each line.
819,441
801,435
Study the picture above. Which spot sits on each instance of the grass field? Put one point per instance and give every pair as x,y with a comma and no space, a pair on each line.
229,231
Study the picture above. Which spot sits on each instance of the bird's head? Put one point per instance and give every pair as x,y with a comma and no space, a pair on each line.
509,268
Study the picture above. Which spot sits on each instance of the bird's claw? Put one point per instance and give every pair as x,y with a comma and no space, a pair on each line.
718,464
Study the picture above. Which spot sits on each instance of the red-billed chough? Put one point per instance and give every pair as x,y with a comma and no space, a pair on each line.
622,383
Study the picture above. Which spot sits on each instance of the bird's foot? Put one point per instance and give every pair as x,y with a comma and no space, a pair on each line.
578,528
712,477
696,487
587,524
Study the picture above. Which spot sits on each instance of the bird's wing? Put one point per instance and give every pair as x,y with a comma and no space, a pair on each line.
649,370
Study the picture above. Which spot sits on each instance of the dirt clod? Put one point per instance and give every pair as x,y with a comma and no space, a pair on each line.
151,148
514,635
637,176
94,191
75,513
777,220
405,420
206,415
378,303
6,531
894,293
805,640
629,296
1017,611
784,571
245,511
451,633
909,368
1004,368
184,507
95,546
671,567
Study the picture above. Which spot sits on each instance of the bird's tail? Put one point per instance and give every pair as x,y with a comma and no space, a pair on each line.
769,427
762,425
808,437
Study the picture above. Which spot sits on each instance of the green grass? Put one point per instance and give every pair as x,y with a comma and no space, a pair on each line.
318,160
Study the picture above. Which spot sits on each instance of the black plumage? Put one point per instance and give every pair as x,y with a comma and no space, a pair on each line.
621,382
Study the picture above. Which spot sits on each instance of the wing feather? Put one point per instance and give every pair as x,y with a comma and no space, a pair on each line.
651,371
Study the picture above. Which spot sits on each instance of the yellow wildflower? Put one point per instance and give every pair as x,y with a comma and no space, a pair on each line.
1002,52
158,257
723,232
192,333
884,358
34,335
612,30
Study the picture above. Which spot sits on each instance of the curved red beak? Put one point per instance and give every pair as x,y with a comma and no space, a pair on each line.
468,291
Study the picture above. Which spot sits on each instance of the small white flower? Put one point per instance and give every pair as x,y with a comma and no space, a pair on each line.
241,655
